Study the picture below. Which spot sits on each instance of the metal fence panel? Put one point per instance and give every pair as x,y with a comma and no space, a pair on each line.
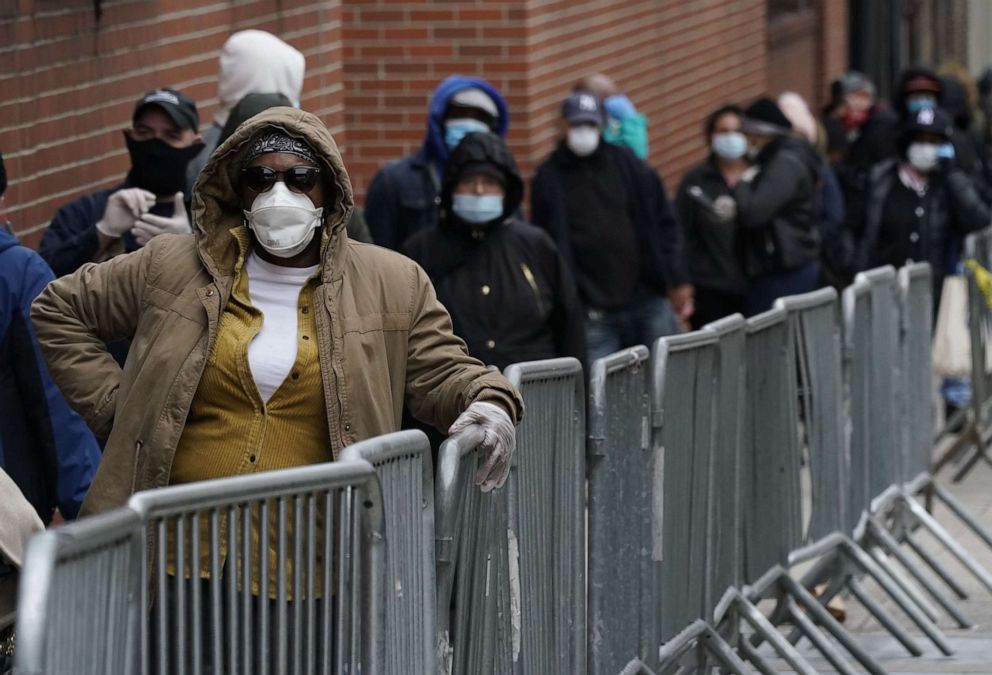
857,352
916,402
771,471
272,572
478,630
403,464
814,322
684,370
546,492
725,528
624,617
885,367
79,597
978,247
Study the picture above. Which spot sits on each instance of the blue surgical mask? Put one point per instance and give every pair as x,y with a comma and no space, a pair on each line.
915,105
457,129
477,209
729,145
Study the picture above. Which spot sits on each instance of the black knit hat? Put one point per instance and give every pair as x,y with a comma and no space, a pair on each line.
765,117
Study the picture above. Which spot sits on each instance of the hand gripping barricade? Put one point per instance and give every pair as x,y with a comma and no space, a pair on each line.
215,601
545,509
975,437
403,464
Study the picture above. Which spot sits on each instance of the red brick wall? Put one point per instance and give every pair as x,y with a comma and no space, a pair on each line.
70,82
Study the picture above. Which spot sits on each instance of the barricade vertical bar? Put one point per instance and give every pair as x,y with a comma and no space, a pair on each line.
546,491
623,610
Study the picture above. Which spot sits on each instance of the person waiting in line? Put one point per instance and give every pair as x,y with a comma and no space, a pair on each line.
266,339
44,446
510,295
162,140
777,212
404,196
708,213
611,220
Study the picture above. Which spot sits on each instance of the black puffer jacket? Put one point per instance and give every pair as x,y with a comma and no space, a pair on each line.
952,207
778,212
510,295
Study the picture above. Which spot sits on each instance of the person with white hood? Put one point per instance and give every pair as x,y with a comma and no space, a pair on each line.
251,62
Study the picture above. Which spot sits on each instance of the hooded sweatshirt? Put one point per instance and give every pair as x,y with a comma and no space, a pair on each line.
383,339
251,62
510,295
44,446
403,198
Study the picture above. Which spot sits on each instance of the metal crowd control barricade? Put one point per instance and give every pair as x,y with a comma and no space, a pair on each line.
478,630
684,405
273,572
546,510
79,598
403,463
624,578
978,427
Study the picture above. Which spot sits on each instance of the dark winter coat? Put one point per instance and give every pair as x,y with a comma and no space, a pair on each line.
44,446
710,241
778,212
403,198
510,296
952,208
662,264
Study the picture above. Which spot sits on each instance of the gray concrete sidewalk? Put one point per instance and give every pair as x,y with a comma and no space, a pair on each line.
973,647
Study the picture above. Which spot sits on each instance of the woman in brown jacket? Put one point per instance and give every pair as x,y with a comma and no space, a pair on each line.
265,339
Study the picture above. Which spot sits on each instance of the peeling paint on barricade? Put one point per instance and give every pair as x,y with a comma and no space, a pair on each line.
514,556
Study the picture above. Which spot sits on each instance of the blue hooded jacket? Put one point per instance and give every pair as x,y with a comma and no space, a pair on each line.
404,196
45,447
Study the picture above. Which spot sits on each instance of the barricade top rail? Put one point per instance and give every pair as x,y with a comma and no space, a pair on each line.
726,325
83,535
849,300
219,492
534,370
683,341
618,361
914,270
818,298
877,275
772,317
385,448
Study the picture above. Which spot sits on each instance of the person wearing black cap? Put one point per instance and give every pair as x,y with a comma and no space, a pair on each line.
510,295
918,204
777,212
161,141
609,215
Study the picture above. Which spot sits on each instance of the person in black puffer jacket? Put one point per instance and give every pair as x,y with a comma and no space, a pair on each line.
509,293
777,210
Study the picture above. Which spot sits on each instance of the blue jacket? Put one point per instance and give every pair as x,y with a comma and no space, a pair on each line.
403,198
45,447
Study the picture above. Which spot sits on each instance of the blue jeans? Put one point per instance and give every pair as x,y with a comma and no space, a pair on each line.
640,324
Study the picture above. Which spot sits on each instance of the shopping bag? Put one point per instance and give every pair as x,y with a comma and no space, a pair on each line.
951,340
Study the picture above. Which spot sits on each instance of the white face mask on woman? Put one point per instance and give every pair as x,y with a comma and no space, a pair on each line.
283,221
583,140
923,156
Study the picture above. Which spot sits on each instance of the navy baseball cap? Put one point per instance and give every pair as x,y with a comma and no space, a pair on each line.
581,107
929,120
179,107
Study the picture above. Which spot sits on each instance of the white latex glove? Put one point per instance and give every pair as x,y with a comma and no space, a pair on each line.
123,208
148,226
498,442
750,173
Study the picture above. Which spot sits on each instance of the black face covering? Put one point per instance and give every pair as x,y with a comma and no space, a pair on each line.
158,167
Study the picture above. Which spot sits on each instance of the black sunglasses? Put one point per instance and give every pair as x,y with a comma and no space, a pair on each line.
297,178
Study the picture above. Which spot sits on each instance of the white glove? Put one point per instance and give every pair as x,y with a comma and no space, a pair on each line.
498,442
149,226
750,173
123,208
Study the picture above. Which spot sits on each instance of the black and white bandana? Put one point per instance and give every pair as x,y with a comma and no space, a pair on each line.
278,141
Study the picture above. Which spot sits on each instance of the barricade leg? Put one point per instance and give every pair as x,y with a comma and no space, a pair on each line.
938,569
819,640
699,634
763,627
920,515
887,542
904,638
951,502
904,584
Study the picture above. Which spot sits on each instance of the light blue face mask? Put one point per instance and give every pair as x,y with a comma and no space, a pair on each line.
477,209
915,105
729,145
457,129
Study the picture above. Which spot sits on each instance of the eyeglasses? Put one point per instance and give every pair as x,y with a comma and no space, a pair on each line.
297,178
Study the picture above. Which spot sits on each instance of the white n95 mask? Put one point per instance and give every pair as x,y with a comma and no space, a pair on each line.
283,221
